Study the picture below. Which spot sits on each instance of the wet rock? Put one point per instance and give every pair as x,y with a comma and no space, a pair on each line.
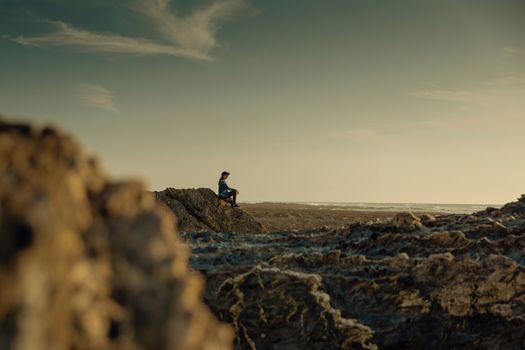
87,263
201,210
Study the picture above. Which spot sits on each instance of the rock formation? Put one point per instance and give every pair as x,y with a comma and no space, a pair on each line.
275,308
86,263
514,209
406,222
443,282
200,210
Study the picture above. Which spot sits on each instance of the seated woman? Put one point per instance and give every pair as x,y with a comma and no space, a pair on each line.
227,193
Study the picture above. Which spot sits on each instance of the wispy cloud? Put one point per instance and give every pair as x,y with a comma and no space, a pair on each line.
445,95
94,95
192,36
67,35
488,106
507,86
365,136
514,51
510,81
454,123
195,32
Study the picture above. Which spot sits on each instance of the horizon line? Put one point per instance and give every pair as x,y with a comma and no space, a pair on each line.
338,202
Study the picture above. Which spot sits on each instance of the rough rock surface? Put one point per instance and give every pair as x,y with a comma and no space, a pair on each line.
406,222
86,263
200,210
276,308
443,282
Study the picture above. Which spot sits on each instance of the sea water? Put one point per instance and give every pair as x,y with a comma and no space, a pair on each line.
416,207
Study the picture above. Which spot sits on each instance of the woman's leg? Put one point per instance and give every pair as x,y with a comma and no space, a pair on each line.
231,198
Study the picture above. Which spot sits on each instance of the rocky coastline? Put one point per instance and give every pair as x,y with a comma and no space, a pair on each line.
88,262
449,281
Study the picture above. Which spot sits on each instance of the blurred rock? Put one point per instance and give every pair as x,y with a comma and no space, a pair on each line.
86,263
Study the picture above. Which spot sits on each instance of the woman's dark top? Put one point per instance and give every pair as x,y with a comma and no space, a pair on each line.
224,189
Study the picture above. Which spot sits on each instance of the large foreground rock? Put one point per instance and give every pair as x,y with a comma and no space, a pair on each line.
86,263
200,210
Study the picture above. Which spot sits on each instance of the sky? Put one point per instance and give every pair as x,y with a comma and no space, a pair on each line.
312,100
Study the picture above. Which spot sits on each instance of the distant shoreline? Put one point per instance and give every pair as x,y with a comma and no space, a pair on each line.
357,203
301,215
443,208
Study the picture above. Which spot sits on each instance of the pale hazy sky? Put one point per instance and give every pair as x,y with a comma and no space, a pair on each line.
341,100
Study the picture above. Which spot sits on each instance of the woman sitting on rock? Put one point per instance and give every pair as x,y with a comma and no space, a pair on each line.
227,193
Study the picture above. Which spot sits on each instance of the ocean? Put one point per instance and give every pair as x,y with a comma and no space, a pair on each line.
426,207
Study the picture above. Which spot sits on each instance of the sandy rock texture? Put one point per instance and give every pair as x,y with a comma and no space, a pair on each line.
200,210
429,282
88,263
